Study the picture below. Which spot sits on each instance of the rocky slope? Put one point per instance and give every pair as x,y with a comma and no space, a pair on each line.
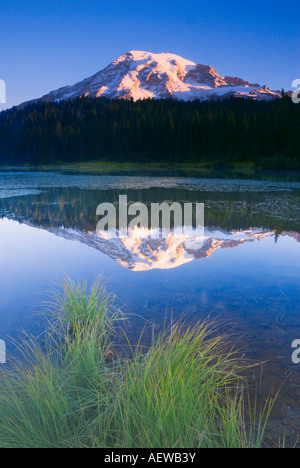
140,75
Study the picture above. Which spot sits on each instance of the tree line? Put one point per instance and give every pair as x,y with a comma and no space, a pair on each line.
220,133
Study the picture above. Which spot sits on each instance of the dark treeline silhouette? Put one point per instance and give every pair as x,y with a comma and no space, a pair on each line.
220,133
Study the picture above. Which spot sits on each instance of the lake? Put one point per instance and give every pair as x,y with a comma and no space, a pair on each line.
245,273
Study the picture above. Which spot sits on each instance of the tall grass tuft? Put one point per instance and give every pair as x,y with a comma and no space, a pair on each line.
52,397
184,392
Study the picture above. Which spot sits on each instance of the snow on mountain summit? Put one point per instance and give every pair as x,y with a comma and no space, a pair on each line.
163,57
139,75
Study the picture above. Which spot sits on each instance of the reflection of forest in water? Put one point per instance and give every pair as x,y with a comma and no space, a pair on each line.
76,208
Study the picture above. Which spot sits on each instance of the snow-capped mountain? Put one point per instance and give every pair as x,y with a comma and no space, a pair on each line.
139,252
140,75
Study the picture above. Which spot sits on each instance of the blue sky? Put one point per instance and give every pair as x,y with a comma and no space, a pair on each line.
48,44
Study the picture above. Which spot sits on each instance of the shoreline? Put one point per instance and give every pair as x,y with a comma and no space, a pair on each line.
107,168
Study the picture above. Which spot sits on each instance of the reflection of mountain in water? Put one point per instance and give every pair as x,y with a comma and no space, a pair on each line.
236,212
139,252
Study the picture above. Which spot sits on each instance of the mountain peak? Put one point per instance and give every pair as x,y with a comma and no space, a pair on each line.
139,74
160,57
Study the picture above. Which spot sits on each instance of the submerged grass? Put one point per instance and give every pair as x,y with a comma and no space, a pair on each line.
183,392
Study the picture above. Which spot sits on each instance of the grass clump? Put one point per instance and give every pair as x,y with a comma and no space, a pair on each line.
183,392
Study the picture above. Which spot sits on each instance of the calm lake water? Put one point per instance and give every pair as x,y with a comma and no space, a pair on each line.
247,271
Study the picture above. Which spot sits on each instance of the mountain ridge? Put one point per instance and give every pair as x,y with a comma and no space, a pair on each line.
141,75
